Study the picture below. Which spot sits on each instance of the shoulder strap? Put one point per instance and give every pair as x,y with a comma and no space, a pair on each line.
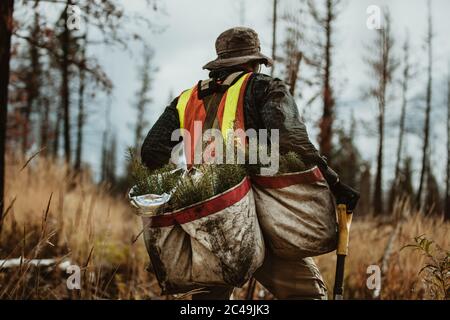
183,100
232,104
210,86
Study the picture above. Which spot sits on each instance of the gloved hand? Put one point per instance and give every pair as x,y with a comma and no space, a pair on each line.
345,195
342,192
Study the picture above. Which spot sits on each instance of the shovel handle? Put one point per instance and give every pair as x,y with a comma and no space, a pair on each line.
344,220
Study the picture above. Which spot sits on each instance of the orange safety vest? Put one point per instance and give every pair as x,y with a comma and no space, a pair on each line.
230,113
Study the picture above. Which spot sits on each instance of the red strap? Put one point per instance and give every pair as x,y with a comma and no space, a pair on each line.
289,179
203,209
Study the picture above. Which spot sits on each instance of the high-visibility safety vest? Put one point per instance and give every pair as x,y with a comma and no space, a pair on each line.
230,112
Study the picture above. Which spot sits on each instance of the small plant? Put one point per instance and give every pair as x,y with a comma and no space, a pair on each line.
288,163
148,181
291,162
437,267
200,183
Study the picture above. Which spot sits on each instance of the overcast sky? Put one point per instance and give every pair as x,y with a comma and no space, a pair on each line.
187,43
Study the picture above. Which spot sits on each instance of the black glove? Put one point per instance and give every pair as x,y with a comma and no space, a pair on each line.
345,195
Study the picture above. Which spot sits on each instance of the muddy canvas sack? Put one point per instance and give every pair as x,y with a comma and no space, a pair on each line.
296,212
212,243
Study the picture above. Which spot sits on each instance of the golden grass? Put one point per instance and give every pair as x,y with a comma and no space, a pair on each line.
368,241
84,217
97,231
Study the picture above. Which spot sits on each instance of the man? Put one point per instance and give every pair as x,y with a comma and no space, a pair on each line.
267,104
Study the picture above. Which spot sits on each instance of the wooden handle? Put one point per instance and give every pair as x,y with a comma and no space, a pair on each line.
344,221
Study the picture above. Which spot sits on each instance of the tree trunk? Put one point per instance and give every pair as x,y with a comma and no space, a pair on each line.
274,34
104,156
294,72
65,92
403,112
378,195
326,122
45,120
80,122
81,113
32,82
56,133
447,184
384,79
6,25
426,131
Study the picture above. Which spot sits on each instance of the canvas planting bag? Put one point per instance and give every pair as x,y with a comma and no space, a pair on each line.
296,212
212,243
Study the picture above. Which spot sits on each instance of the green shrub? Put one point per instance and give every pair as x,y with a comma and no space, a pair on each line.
437,267
201,183
288,163
148,181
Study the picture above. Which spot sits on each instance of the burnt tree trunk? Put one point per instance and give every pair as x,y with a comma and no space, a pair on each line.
6,25
447,184
401,134
81,115
65,91
384,69
32,82
81,112
294,72
57,133
80,122
45,120
326,123
426,131
274,34
378,193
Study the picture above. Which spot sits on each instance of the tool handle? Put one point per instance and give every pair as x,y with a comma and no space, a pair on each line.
338,290
344,222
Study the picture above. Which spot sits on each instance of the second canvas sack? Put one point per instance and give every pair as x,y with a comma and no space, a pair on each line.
297,213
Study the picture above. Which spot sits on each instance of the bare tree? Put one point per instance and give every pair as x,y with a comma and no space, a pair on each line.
80,119
365,187
292,56
143,98
405,82
325,19
447,182
32,80
45,124
65,40
274,33
108,158
57,133
81,89
6,26
426,129
432,200
382,65
66,49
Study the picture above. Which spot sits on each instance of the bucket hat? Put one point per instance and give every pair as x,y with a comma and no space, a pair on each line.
237,46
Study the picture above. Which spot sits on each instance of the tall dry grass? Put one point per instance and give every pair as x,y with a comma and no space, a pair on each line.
54,214
381,242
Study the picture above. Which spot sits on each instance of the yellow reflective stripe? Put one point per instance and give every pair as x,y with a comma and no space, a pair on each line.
231,103
181,105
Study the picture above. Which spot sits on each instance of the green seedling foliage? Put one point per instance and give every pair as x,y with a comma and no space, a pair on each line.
436,270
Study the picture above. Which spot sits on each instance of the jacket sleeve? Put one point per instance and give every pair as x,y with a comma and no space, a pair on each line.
277,110
157,147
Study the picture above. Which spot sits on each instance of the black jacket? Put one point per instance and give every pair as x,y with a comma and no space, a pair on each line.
267,105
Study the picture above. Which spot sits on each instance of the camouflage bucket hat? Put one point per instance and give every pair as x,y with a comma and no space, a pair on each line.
237,46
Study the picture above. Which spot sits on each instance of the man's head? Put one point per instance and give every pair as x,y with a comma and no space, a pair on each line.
238,47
